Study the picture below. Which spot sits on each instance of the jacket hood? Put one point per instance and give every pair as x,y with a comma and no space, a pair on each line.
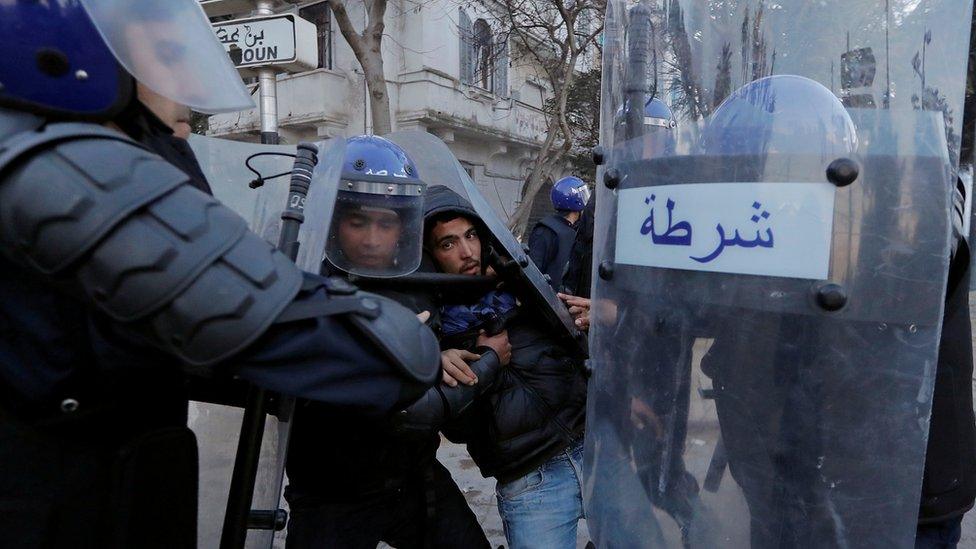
440,199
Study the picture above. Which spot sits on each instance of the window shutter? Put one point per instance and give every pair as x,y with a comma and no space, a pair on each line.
466,48
500,78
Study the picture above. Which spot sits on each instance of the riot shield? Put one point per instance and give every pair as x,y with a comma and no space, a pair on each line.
770,273
438,166
217,420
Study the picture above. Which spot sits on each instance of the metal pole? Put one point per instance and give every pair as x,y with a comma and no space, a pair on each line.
887,97
239,516
268,86
238,510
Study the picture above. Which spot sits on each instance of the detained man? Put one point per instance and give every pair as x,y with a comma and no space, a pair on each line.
527,430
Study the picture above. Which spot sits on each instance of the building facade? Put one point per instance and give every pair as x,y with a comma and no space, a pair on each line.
447,72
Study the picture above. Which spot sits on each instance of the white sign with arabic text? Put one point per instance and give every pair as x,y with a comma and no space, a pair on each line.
769,229
282,40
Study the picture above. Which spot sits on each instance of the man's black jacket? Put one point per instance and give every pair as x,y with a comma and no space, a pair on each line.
537,404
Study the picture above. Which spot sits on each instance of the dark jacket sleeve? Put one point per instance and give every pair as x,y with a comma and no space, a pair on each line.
442,403
327,359
576,281
542,246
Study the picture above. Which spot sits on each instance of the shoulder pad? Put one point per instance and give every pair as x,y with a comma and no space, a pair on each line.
123,229
390,326
57,201
401,336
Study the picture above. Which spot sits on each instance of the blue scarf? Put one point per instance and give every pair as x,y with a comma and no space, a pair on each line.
458,319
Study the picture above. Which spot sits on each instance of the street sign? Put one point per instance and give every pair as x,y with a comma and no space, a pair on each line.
284,40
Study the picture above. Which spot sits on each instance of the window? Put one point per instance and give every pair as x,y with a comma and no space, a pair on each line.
320,15
465,47
484,61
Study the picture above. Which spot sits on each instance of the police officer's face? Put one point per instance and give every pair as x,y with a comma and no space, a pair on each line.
173,114
159,54
368,237
456,247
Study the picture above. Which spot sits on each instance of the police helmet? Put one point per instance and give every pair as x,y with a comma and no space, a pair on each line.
649,131
781,114
377,223
77,58
569,194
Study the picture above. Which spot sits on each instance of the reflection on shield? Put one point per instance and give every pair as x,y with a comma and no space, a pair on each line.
437,165
215,414
767,317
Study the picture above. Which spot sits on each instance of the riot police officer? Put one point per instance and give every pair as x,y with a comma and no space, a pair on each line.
386,483
117,276
762,438
551,240
801,248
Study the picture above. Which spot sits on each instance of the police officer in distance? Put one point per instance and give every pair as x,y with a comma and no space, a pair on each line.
118,276
551,240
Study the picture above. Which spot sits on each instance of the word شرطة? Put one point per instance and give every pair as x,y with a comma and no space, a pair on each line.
680,233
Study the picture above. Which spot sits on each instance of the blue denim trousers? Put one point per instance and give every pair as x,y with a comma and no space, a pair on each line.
543,508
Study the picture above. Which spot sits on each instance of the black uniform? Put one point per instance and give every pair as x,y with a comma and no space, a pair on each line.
949,483
355,481
550,244
579,271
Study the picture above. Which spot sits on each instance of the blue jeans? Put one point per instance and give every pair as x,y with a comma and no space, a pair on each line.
543,508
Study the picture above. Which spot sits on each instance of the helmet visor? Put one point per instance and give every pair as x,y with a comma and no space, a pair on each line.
584,193
170,47
377,234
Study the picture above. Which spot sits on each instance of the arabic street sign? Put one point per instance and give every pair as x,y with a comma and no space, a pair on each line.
771,229
283,40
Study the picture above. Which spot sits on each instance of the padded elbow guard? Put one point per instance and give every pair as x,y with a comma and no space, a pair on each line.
116,225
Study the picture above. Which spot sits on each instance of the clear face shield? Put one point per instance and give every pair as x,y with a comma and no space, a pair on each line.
584,193
170,47
377,228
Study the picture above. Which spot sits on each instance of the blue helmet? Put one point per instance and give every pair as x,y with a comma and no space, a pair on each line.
378,220
78,58
56,63
657,113
377,157
650,132
569,194
784,114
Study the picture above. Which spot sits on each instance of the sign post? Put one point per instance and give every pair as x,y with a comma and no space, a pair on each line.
262,46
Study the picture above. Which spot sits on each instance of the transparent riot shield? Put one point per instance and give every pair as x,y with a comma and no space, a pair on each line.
770,271
437,165
216,421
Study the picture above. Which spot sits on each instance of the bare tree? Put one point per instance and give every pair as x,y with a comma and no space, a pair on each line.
367,47
556,35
